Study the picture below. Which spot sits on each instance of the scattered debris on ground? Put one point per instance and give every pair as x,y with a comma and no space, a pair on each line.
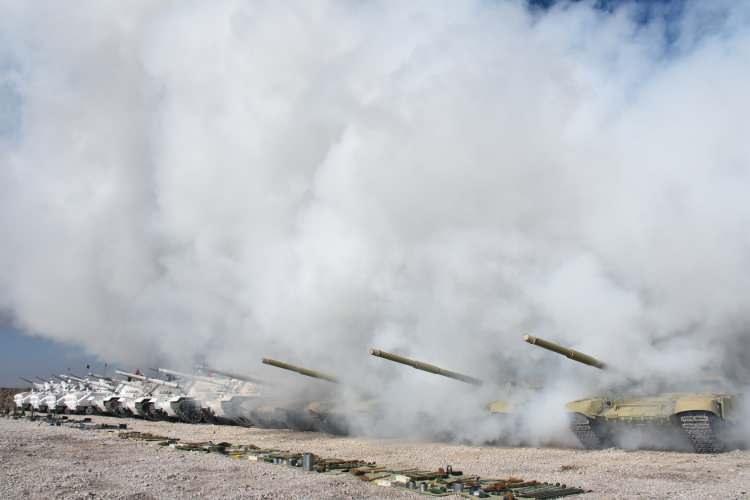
444,481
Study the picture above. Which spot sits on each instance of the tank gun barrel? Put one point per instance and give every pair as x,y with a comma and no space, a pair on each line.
28,381
102,385
72,377
302,371
243,378
175,373
131,375
147,379
426,367
565,351
189,376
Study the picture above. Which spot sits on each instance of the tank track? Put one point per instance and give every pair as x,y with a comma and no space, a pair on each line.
583,429
189,412
702,428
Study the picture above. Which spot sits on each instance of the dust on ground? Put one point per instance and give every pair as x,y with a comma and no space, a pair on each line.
37,460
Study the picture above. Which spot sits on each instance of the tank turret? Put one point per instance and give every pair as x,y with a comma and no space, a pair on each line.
329,416
565,351
302,371
427,367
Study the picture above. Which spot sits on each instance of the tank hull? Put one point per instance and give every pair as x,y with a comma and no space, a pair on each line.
697,421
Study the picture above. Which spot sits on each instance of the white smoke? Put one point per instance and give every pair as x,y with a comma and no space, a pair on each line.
304,180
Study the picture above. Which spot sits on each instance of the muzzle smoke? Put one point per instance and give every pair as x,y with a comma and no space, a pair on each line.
229,180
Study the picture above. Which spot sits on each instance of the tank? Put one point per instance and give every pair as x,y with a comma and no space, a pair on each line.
36,396
121,403
73,400
328,416
218,398
242,400
101,390
163,400
22,400
701,419
134,395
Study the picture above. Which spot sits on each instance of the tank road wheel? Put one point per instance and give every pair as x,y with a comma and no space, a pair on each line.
189,413
89,410
585,430
208,416
334,424
150,412
702,429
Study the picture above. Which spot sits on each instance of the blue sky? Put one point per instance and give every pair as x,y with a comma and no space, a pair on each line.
25,356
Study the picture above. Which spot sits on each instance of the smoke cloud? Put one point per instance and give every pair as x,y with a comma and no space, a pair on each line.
303,180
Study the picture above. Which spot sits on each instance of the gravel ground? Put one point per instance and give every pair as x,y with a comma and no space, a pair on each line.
37,460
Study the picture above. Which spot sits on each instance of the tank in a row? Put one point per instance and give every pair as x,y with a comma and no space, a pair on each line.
210,396
703,420
134,395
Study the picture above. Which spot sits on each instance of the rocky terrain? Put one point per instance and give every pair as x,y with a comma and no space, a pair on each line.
41,461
